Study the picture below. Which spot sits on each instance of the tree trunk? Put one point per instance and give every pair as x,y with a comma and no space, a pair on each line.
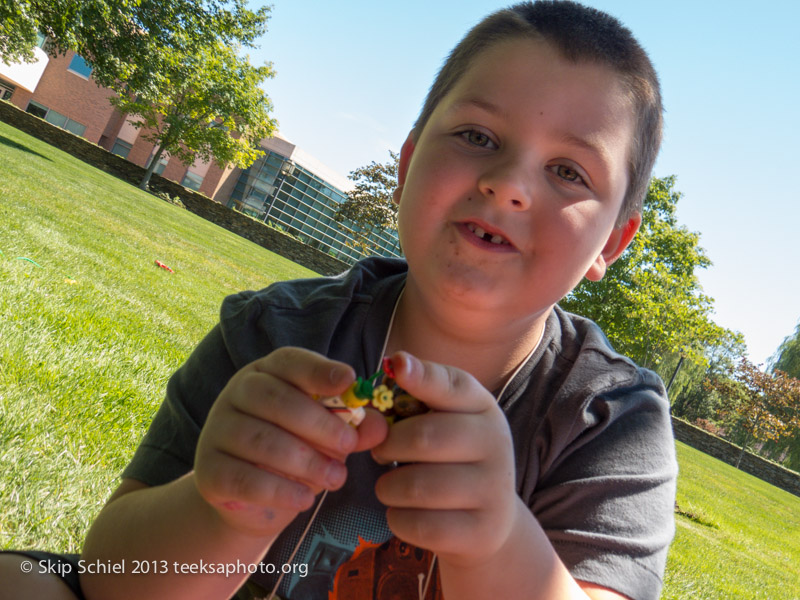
744,448
150,168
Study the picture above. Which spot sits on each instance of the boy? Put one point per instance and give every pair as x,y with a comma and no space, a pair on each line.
545,468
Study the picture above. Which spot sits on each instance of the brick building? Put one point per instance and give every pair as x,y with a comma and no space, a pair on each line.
286,186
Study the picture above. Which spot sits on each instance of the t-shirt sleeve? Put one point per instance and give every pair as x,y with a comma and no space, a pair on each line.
605,498
167,449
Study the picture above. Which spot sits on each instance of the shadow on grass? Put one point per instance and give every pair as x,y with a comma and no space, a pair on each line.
17,146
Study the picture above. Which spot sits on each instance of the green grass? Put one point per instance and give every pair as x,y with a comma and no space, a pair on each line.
83,367
739,537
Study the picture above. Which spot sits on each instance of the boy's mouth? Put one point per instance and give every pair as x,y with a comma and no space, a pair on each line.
493,238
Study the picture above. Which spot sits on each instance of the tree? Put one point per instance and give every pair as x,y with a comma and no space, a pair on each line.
766,405
650,303
370,206
173,63
787,357
691,398
121,39
207,104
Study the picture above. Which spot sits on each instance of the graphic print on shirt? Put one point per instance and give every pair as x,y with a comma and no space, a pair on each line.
352,555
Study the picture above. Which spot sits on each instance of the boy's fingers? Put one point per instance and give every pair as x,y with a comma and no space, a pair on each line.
372,431
309,371
273,449
439,386
233,479
275,401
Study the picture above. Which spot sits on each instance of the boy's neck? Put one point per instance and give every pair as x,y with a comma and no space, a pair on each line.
487,346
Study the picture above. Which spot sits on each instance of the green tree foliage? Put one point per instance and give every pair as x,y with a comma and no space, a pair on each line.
369,206
173,63
787,358
650,303
122,39
691,398
765,405
208,104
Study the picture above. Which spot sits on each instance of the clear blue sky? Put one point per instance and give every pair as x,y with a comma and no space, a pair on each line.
351,76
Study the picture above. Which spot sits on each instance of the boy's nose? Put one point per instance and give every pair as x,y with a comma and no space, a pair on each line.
506,183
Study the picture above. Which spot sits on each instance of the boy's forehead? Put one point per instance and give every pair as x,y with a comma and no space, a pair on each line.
503,76
496,56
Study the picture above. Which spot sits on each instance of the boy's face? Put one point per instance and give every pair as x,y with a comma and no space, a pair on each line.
510,195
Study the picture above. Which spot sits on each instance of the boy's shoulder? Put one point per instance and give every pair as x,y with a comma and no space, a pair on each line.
578,346
360,283
320,313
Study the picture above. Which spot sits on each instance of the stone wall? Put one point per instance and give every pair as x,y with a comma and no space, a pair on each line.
195,202
729,453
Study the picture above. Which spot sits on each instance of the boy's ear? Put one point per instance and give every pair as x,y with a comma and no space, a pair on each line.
402,167
619,239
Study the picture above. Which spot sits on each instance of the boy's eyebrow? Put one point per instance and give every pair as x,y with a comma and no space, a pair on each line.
583,143
478,103
586,144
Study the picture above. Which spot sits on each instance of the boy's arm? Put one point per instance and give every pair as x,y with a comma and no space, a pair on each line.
266,449
165,527
527,566
457,495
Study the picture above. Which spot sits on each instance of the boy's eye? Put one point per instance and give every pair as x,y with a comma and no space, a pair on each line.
568,173
477,138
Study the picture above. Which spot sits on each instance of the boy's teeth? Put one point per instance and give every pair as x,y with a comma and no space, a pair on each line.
494,239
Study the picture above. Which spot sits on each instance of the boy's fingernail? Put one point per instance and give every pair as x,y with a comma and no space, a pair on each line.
348,440
409,363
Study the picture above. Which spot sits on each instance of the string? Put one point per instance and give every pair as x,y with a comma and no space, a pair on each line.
427,579
297,547
510,378
325,493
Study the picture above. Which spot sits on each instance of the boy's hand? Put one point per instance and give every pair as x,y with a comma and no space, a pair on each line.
458,496
267,448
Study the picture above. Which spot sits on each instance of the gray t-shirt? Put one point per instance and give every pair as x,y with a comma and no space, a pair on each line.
595,457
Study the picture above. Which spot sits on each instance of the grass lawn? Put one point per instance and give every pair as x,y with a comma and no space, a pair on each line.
741,538
90,330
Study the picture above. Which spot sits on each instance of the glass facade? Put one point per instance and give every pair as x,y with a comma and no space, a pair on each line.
286,195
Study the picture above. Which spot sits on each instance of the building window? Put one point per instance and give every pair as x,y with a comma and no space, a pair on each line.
6,90
75,127
162,164
36,109
80,67
55,118
121,148
41,39
192,181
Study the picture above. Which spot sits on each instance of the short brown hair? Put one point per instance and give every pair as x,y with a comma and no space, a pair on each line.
580,34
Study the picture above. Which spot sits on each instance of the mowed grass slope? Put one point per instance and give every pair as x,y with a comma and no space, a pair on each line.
737,536
83,368
91,328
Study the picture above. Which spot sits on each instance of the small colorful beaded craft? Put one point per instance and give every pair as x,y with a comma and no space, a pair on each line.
387,397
